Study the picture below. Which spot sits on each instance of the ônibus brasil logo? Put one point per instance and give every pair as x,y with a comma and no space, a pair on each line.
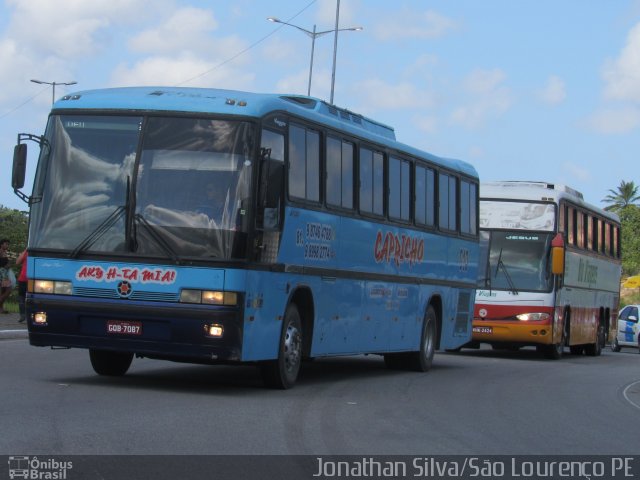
35,468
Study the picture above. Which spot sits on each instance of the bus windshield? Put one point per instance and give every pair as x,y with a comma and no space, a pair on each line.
156,186
517,261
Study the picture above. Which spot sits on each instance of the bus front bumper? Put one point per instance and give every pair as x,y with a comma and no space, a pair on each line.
176,332
502,332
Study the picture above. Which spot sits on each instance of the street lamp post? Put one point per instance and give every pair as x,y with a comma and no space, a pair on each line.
53,85
314,34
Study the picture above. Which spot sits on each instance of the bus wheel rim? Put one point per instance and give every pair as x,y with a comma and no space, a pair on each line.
292,348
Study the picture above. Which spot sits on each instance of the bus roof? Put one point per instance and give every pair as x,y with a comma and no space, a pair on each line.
233,102
538,191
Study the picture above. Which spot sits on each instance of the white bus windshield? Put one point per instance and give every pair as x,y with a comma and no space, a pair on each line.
517,261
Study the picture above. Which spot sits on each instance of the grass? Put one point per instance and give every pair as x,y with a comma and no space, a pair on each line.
11,303
630,299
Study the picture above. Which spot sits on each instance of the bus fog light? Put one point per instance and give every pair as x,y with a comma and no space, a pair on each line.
40,318
214,330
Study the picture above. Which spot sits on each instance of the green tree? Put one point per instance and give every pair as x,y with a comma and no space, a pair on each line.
630,220
626,194
13,227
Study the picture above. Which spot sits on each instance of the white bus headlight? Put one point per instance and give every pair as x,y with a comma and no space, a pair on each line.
52,286
526,317
209,297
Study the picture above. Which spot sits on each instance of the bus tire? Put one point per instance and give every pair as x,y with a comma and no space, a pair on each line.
555,350
110,364
422,360
615,346
282,373
595,349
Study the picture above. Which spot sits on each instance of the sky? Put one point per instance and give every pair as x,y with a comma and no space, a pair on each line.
542,90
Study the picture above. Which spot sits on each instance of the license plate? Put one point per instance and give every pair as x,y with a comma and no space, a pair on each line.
483,330
121,327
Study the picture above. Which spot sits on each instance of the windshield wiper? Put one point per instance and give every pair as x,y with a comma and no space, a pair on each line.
101,229
501,265
159,239
109,222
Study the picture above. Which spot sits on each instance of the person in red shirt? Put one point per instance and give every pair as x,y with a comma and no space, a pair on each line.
22,284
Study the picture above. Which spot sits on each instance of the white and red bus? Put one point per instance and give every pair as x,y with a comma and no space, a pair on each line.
549,272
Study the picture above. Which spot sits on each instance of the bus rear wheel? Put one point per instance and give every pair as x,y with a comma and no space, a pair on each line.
110,364
282,373
615,346
595,349
421,360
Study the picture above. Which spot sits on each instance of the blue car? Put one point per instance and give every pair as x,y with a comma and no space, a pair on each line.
628,331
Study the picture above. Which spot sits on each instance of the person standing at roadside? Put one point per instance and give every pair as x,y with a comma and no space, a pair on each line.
22,284
4,247
5,282
6,285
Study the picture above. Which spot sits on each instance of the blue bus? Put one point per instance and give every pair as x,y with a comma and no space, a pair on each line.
218,226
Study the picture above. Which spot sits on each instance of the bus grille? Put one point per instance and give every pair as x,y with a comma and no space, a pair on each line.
136,295
462,317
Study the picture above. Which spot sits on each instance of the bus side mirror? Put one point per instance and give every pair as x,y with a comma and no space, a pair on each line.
19,166
557,255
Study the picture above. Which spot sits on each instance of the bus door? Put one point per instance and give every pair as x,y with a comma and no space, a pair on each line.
270,197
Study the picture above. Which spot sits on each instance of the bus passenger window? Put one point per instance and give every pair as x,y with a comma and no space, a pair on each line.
468,197
399,191
304,163
339,184
371,181
420,207
595,230
571,236
447,195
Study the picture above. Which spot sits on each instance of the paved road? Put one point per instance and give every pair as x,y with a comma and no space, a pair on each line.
475,402
11,327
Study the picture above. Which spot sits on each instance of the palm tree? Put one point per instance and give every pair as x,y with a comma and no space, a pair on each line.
626,194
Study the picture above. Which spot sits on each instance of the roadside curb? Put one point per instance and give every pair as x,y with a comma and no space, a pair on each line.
11,328
13,334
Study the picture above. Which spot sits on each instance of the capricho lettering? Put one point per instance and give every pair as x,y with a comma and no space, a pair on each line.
400,249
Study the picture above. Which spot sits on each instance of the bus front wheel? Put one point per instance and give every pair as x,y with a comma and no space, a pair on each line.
111,364
283,372
555,350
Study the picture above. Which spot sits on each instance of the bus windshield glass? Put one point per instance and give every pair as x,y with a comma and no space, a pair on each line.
517,261
155,186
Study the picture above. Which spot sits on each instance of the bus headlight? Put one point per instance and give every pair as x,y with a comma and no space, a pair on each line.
52,286
526,317
209,297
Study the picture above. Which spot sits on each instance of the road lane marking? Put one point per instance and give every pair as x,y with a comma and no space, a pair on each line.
624,393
